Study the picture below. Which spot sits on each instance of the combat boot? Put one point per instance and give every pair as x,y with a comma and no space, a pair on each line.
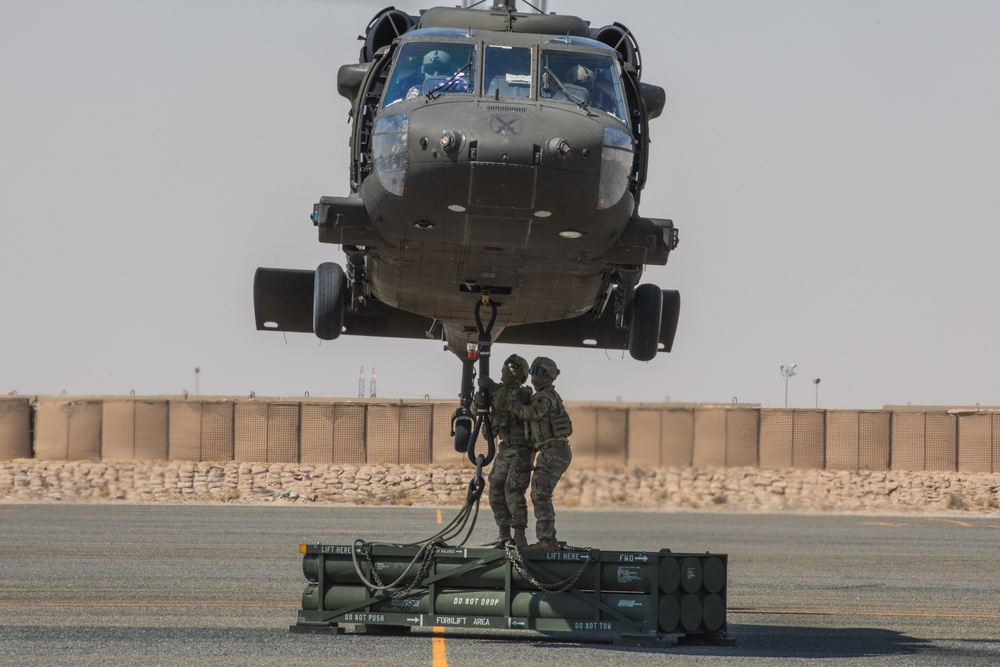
504,535
520,541
544,544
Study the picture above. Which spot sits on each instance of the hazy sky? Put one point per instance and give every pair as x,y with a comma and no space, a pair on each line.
833,167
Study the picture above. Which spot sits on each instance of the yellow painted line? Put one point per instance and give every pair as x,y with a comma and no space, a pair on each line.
957,523
440,658
439,516
811,612
880,523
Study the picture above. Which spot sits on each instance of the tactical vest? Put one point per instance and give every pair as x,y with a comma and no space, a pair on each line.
506,426
554,424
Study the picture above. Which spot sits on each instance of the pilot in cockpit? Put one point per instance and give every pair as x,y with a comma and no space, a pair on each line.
599,92
436,65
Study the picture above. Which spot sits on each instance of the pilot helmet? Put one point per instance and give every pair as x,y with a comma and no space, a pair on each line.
580,76
516,367
437,63
543,370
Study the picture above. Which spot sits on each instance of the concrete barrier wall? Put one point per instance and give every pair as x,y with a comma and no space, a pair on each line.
380,431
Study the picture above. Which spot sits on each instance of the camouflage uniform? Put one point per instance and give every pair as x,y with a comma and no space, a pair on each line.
511,472
548,427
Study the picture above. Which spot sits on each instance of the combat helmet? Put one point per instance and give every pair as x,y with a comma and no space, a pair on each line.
579,75
543,367
437,63
517,366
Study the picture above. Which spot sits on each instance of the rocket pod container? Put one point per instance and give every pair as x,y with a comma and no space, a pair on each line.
646,598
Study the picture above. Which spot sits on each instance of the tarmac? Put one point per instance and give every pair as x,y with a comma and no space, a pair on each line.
211,585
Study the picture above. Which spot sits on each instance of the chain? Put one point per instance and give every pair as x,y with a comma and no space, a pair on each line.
425,568
517,560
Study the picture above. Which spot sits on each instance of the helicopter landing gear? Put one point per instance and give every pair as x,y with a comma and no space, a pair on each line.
644,322
328,301
464,427
462,422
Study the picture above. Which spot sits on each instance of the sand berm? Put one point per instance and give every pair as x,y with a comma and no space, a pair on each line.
659,489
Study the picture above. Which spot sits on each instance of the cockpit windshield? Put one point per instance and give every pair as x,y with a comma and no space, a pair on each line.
507,71
431,68
588,79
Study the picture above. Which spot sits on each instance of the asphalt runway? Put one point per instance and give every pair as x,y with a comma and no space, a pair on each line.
219,585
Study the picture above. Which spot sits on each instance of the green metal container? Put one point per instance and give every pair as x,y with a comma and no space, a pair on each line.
714,574
541,604
623,592
692,574
713,612
670,575
467,602
615,577
470,602
691,613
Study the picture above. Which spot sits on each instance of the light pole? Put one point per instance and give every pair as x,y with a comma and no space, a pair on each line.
197,370
816,382
787,371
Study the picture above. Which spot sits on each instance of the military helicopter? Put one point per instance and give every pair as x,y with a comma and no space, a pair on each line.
497,159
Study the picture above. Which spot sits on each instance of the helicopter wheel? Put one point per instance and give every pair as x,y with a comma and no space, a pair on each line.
463,431
644,330
328,301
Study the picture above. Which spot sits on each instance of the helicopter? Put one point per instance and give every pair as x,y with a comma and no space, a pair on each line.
497,159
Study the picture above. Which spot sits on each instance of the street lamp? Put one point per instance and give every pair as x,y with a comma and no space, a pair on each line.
787,371
816,382
197,370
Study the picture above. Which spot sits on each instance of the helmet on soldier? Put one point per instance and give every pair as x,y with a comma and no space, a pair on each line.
578,75
515,367
437,63
543,371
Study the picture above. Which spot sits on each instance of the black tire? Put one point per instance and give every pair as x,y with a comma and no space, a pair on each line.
328,301
644,328
463,431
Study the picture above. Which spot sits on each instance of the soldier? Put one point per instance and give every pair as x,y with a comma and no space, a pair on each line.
548,427
511,472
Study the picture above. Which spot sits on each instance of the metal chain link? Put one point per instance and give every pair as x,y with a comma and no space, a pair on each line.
517,560
425,567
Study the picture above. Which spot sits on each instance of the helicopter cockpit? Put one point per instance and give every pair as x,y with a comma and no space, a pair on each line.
576,70
425,68
588,79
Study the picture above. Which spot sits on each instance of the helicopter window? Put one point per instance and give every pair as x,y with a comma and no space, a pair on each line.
507,71
431,68
587,79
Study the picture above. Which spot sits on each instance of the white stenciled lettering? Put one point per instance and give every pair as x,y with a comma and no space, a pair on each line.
452,620
627,575
591,625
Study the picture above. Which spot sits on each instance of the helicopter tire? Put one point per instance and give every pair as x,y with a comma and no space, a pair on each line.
463,431
644,330
328,301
